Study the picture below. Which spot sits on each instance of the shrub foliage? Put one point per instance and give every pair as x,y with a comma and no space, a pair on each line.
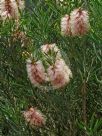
75,110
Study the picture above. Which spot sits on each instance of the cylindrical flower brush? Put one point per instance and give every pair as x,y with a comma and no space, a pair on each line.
79,22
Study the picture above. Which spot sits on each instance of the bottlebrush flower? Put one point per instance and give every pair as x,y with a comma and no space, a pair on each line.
79,22
51,47
47,47
10,8
59,74
36,72
34,117
65,25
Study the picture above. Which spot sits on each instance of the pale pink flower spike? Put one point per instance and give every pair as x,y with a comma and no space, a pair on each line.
65,25
79,21
36,72
10,8
34,117
59,74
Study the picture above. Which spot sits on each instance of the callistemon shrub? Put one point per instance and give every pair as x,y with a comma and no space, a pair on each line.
10,8
51,72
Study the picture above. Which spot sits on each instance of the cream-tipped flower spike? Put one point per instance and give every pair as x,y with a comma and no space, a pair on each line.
36,72
51,47
79,21
34,117
59,74
10,8
47,47
20,4
65,25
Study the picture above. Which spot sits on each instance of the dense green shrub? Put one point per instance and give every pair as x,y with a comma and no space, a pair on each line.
75,110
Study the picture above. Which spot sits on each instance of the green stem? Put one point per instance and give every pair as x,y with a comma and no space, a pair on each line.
84,103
